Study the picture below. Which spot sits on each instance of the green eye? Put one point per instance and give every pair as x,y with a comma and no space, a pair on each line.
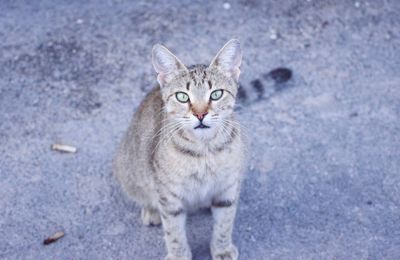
182,97
216,94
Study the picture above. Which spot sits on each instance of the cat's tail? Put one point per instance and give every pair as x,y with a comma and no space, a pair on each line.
265,86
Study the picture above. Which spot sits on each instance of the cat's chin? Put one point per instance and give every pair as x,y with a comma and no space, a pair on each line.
204,133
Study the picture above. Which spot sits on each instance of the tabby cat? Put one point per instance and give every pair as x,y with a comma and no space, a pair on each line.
184,149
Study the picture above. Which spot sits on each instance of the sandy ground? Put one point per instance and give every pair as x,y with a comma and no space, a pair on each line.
323,179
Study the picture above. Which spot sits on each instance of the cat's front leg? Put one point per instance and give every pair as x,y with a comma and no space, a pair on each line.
173,219
224,210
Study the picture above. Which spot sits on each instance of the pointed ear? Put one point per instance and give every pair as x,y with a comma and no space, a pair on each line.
228,59
166,64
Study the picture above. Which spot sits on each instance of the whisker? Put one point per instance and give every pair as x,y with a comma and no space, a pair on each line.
164,132
238,125
171,134
164,127
232,122
225,132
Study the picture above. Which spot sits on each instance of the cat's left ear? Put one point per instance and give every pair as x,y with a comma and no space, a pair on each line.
166,64
228,59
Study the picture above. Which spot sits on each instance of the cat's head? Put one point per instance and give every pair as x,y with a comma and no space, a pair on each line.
199,99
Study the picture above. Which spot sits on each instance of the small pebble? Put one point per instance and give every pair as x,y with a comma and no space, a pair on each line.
357,4
79,21
227,6
273,34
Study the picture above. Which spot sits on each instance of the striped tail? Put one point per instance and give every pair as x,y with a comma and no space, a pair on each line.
264,87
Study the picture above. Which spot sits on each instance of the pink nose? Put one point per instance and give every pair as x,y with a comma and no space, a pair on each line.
200,115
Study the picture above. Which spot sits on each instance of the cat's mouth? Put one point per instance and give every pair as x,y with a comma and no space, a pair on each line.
201,126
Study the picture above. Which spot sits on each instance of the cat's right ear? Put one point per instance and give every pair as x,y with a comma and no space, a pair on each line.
228,59
166,64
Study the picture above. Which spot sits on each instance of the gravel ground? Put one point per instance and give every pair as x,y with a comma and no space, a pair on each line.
323,180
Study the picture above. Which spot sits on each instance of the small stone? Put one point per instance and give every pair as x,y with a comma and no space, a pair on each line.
273,34
227,6
357,4
79,21
251,167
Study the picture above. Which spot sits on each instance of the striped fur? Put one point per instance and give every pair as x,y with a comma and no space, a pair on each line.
169,166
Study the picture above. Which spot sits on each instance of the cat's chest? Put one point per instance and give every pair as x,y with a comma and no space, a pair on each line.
198,176
204,179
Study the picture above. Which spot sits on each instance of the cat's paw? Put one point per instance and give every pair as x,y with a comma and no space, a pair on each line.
150,217
229,253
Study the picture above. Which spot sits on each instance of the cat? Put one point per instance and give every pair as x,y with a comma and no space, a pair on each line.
185,150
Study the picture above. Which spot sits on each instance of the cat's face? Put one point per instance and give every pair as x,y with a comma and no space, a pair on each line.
199,100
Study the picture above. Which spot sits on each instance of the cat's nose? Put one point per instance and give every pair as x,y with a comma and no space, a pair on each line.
200,115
